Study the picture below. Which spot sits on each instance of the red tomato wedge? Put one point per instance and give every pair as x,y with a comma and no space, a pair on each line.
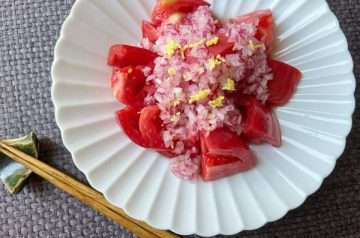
261,125
164,8
140,124
150,126
263,19
126,55
149,31
284,84
224,142
223,47
215,167
128,86
128,118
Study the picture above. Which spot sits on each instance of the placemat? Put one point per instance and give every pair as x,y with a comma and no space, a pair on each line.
28,32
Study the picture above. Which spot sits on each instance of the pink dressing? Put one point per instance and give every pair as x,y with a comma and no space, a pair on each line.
192,85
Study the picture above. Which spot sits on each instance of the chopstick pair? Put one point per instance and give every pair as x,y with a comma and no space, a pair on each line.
84,193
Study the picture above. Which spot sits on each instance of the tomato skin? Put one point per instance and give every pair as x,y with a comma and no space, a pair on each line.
284,83
261,124
128,86
224,142
224,153
149,31
142,124
150,126
214,167
128,119
125,55
165,8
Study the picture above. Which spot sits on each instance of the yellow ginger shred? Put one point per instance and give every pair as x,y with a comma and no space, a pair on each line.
200,95
213,62
254,46
218,102
229,85
171,47
212,41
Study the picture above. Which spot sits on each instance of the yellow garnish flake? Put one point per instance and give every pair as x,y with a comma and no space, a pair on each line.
254,46
171,47
200,95
212,41
218,102
172,71
229,85
176,117
213,62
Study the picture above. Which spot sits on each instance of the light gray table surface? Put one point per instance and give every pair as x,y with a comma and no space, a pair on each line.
28,32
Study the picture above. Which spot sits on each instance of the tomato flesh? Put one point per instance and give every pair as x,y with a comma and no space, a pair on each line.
284,83
261,125
125,55
143,127
214,167
224,142
149,31
128,86
150,126
224,153
128,119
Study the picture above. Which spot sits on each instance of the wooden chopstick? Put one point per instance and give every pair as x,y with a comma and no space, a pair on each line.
84,193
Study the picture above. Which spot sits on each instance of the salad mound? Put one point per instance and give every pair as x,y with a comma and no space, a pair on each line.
200,90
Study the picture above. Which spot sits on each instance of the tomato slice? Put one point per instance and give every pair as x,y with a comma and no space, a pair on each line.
149,31
125,55
128,86
224,142
261,125
264,20
150,126
223,47
128,119
165,8
215,167
143,127
284,84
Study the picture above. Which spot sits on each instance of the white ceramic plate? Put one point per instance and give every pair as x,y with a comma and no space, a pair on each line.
314,125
